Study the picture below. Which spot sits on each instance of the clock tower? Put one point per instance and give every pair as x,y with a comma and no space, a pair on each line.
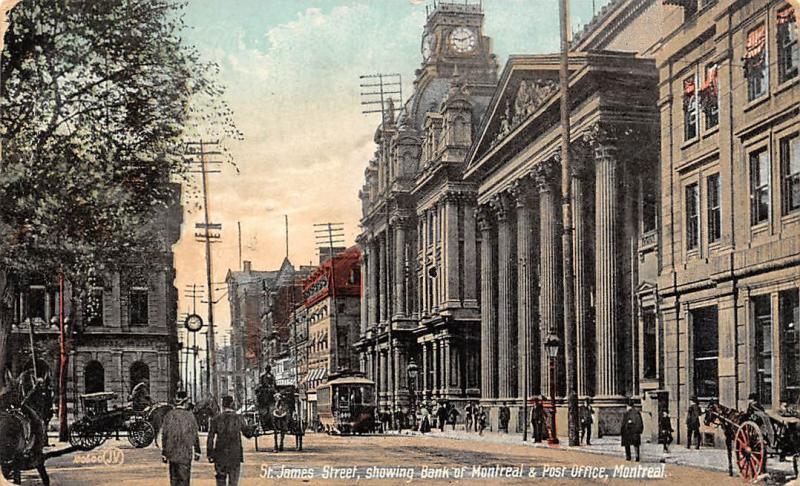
453,36
453,46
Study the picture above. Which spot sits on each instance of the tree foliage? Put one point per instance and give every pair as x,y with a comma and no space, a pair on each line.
98,101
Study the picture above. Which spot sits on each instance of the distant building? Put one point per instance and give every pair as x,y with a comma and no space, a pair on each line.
260,306
331,311
122,330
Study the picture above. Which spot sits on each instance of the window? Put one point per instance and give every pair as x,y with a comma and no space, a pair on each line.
138,307
649,344
692,216
763,347
705,349
790,344
709,96
755,63
690,108
788,51
714,216
37,302
759,187
649,204
790,164
94,307
94,377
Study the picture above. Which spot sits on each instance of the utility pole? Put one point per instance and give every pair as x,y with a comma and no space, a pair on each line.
239,225
200,149
571,353
331,233
384,90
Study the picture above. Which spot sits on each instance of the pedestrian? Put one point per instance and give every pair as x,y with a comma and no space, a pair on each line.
468,417
453,416
587,419
481,420
665,430
425,419
441,416
399,419
179,436
386,419
632,427
693,423
503,417
224,445
537,419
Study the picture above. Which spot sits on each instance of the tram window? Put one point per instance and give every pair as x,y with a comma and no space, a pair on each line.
356,395
343,396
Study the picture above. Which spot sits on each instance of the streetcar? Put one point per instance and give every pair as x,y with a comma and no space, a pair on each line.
346,404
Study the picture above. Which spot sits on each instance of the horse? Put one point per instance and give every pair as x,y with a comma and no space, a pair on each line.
204,411
280,420
155,414
729,420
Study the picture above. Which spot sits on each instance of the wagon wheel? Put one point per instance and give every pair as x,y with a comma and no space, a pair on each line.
83,436
751,453
141,433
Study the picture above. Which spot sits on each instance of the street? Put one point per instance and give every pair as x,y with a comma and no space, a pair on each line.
386,459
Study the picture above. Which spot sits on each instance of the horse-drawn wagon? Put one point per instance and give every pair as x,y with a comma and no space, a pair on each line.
99,423
277,414
754,436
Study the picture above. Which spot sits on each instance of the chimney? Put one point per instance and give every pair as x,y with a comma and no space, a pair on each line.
248,266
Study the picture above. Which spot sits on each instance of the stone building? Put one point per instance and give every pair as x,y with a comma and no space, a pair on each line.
261,303
418,218
730,178
120,331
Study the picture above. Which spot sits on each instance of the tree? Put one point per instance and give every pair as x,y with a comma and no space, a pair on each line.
98,100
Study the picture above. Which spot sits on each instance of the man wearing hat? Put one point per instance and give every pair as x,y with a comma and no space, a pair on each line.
224,446
179,436
632,427
693,423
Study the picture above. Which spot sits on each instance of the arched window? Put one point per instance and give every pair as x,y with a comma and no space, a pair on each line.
139,373
94,377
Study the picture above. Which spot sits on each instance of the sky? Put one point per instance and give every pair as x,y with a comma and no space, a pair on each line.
291,68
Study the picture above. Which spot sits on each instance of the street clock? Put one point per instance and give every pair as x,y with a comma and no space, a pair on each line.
193,322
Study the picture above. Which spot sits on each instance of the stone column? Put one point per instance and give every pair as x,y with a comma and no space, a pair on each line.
488,313
384,371
425,367
374,282
364,301
607,209
452,290
583,283
446,365
526,277
470,255
550,276
506,318
436,369
382,271
400,267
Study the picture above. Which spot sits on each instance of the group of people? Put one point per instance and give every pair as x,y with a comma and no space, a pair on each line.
180,442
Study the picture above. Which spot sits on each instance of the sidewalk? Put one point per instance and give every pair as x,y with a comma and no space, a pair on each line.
705,458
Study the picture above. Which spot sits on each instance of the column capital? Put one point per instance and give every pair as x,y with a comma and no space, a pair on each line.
400,218
522,192
546,172
485,216
501,204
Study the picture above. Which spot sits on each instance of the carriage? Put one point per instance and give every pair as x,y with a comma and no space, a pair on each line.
346,405
277,414
99,423
754,436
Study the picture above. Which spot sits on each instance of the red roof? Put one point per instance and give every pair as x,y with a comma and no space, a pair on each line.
348,277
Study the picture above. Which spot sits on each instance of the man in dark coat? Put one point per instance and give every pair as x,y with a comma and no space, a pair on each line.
504,416
441,415
693,423
587,419
632,427
179,436
537,419
224,446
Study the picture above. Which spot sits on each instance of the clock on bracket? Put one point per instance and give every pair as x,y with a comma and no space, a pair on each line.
463,40
193,323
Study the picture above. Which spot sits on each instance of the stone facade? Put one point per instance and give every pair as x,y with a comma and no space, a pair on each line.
419,265
730,238
120,330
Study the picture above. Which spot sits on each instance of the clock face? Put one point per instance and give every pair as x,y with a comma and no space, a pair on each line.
428,45
463,40
193,323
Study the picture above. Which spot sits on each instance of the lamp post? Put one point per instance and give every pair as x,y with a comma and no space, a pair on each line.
551,345
411,370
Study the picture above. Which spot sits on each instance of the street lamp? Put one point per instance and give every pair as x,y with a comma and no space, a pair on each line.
551,346
411,370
